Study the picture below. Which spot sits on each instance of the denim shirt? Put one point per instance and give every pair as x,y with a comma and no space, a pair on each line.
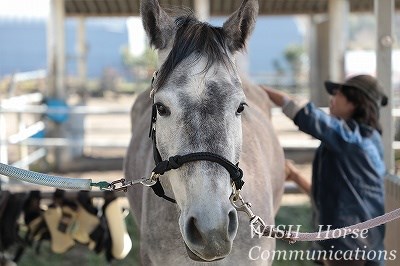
347,175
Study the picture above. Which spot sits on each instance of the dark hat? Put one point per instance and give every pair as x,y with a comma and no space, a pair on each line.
364,83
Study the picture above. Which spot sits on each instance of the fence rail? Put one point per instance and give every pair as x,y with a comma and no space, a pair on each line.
23,105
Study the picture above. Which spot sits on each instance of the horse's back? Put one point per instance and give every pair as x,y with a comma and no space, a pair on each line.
261,149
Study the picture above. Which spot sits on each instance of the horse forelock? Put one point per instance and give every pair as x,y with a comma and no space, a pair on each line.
196,38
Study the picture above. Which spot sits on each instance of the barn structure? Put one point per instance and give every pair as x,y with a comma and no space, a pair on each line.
328,36
326,58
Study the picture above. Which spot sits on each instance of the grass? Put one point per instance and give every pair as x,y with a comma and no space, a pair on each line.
294,215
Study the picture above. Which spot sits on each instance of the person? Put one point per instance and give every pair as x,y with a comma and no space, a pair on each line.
348,168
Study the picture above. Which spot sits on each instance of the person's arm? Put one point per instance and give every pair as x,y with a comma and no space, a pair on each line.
277,97
313,121
293,174
290,107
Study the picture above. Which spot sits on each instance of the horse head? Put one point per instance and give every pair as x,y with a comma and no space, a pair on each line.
199,100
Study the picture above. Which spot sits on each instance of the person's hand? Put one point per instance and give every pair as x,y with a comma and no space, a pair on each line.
291,172
277,97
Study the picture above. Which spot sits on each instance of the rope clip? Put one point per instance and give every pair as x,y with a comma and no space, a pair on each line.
123,185
240,205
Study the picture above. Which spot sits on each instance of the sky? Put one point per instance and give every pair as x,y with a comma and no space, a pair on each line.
24,8
39,9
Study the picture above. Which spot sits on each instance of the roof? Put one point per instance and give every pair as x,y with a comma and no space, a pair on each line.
217,7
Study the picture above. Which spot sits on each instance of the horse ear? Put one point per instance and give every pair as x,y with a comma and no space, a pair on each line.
240,24
159,26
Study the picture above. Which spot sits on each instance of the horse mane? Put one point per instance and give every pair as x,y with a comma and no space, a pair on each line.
198,38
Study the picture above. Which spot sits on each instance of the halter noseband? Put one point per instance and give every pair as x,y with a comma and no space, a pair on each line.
177,161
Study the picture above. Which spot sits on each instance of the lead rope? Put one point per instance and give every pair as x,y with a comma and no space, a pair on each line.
68,182
261,229
45,180
379,220
257,224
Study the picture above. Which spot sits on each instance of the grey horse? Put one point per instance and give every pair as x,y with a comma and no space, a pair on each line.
202,105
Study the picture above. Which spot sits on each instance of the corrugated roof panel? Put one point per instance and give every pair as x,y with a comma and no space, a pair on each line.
91,6
69,7
113,7
82,6
102,7
217,7
134,7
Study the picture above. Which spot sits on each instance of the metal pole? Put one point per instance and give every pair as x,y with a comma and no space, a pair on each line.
23,148
384,11
3,146
338,14
202,9
81,50
56,49
56,64
3,139
319,59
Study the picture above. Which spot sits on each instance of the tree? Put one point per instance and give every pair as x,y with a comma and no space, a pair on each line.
294,57
142,67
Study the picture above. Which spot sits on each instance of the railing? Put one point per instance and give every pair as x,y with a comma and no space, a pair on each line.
23,137
23,100
24,132
30,105
24,105
16,78
62,142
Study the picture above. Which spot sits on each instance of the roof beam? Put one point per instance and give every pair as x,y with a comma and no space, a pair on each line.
218,7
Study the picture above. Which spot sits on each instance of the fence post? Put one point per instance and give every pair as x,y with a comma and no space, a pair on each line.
392,202
23,148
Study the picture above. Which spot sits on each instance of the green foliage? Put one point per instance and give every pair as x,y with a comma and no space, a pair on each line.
294,215
293,55
141,67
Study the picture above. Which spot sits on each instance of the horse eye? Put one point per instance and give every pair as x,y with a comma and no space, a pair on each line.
162,109
240,108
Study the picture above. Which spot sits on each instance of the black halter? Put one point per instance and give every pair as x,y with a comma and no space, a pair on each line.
177,161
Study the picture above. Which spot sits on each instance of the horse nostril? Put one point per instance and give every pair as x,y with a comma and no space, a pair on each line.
211,232
193,233
232,224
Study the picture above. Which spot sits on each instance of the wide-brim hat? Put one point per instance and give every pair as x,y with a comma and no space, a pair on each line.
364,83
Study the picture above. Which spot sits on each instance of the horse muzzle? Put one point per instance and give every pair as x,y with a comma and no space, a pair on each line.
210,237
